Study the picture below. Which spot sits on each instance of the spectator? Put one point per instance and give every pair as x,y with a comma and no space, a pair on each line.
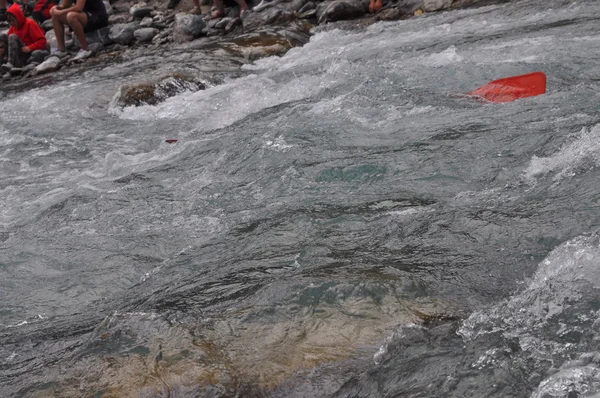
84,16
2,10
23,38
41,10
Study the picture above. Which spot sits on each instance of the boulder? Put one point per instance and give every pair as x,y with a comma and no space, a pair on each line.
49,65
152,93
101,36
47,25
145,34
123,33
96,47
188,27
147,22
338,10
140,10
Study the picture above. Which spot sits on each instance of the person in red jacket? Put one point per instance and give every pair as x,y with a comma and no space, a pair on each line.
24,37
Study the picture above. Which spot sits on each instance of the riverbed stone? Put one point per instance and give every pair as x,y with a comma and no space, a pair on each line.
154,92
49,65
307,7
408,7
140,10
271,16
339,10
123,33
47,25
436,5
145,34
146,22
188,27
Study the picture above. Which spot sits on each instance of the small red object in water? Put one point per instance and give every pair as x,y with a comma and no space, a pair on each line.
171,141
512,88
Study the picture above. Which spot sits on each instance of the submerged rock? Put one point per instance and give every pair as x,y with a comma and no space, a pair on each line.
152,93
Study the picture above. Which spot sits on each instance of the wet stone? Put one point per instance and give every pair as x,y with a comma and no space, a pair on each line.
152,93
123,33
140,10
145,34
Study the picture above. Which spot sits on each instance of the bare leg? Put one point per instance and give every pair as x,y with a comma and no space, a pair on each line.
58,22
77,21
375,5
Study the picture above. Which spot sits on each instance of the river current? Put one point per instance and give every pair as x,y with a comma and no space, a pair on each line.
341,221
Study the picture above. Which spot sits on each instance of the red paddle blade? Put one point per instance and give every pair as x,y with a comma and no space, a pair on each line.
512,88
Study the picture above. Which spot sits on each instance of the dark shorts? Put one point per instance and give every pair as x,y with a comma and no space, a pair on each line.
95,22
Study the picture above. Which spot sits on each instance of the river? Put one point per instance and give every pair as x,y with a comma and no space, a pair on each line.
341,221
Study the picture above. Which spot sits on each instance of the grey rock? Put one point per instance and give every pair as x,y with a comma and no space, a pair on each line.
123,33
272,16
147,22
152,93
436,5
47,25
307,7
49,65
38,56
388,14
140,10
109,9
297,4
101,36
339,10
118,18
96,47
308,14
235,22
264,4
145,34
188,27
222,23
408,7
29,67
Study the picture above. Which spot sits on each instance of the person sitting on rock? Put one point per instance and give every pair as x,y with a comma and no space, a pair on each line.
220,11
84,16
24,37
41,10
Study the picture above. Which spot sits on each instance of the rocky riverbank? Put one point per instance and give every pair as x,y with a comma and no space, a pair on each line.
270,28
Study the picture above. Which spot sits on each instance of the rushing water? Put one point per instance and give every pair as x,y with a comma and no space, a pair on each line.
339,221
